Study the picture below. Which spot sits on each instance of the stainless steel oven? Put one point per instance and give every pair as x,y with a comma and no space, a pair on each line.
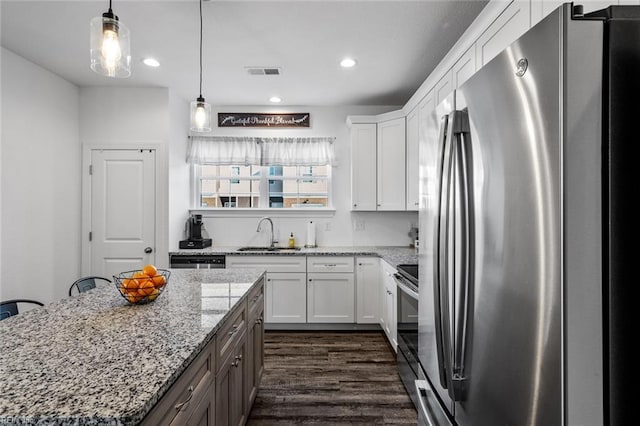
407,318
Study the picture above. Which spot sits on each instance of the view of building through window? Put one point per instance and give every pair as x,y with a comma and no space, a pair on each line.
263,186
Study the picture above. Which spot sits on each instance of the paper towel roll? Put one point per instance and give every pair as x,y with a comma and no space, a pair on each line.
311,234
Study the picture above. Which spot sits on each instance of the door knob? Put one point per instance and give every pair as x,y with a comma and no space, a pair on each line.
148,250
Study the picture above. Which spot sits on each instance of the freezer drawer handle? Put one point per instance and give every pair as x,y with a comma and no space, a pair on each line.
422,388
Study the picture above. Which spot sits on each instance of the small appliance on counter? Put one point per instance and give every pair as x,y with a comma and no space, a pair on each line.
197,236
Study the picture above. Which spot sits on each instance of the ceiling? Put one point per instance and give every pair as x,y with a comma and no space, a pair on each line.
396,45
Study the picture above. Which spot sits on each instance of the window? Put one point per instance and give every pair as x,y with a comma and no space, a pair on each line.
290,187
246,172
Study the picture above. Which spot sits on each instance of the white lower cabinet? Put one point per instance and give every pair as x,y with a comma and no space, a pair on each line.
286,297
388,293
331,297
367,290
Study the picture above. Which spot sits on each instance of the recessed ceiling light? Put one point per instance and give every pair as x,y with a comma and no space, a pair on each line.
150,62
275,99
347,63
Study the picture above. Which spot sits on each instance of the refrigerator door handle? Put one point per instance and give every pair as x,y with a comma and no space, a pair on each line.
462,137
441,271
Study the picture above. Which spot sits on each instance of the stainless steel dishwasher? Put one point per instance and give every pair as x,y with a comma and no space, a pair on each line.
200,261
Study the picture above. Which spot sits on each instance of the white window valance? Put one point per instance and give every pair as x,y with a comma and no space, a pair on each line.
216,150
290,151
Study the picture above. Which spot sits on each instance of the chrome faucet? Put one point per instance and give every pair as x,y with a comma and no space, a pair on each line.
273,239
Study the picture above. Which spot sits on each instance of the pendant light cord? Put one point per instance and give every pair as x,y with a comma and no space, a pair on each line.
200,48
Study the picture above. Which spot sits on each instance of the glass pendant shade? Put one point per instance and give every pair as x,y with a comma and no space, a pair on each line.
110,46
200,116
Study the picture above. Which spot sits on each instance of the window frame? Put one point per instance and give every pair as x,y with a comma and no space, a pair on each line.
263,207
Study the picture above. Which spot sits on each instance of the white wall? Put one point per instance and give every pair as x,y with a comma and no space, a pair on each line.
380,228
123,117
179,196
40,182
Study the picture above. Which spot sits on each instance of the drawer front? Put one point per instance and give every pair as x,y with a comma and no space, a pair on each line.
256,303
228,335
183,396
273,263
330,264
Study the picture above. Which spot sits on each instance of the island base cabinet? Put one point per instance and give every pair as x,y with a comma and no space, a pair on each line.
190,396
203,414
231,402
255,344
331,298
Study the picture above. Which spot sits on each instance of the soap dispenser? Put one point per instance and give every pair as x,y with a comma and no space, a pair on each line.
292,241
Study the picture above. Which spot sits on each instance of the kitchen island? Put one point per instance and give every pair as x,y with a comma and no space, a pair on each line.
95,359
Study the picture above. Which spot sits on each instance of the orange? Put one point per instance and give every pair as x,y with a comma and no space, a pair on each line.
134,298
155,292
146,287
150,270
159,281
129,285
139,274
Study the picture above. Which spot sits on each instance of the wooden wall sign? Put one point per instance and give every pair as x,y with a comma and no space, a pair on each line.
240,119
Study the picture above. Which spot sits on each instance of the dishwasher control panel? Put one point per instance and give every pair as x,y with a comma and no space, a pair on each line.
192,261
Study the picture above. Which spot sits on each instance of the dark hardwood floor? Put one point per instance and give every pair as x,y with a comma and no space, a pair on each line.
329,379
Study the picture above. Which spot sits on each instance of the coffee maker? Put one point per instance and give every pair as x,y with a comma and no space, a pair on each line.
197,236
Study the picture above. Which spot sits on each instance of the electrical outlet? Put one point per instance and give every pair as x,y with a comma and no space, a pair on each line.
327,226
358,225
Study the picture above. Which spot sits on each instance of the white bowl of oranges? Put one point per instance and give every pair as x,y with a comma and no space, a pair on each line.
142,286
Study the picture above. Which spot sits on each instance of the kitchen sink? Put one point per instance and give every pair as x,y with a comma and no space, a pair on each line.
268,249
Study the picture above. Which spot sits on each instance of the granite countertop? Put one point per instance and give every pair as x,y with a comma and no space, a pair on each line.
95,359
392,255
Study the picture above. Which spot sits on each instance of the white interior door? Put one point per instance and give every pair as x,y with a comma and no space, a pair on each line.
123,206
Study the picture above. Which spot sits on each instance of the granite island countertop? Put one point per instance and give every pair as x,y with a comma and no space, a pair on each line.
94,359
392,255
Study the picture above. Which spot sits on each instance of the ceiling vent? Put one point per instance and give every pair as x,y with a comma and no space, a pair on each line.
263,70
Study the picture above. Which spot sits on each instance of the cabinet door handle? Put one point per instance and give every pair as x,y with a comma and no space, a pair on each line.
185,402
355,205
379,205
234,331
310,280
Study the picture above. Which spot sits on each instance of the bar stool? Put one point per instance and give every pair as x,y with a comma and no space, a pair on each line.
9,308
85,284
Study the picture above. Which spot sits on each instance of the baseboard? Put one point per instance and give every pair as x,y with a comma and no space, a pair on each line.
321,327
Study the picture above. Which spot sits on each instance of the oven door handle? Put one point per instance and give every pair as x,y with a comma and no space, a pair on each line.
402,286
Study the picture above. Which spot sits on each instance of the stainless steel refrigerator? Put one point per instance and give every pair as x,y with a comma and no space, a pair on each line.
526,193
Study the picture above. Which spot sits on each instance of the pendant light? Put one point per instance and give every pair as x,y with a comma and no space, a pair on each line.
110,47
200,110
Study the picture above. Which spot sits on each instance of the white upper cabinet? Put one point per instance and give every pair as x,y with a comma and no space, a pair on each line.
391,165
413,141
464,68
363,166
507,28
443,87
541,8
